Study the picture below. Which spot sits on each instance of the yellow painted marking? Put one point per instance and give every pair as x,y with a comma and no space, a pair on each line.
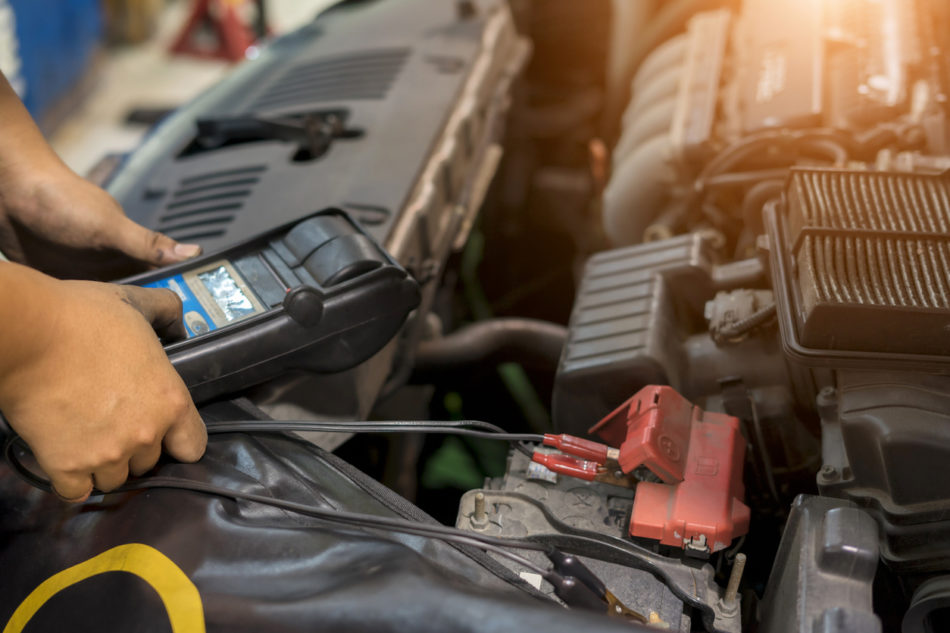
179,595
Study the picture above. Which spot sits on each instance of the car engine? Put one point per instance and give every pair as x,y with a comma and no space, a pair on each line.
777,199
699,248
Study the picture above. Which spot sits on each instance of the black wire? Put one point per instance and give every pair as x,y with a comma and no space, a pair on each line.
451,427
441,532
492,544
746,325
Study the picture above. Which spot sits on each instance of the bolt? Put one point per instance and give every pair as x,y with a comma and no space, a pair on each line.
828,474
732,588
827,403
480,514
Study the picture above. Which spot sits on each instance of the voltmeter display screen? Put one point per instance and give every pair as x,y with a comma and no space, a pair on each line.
226,293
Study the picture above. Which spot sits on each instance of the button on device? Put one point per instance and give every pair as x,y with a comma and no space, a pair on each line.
196,323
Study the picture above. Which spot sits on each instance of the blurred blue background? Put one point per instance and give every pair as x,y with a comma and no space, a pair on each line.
55,42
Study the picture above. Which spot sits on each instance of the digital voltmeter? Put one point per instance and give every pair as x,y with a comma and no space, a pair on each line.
317,295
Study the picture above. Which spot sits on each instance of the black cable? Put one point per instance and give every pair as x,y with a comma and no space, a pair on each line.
448,427
582,591
355,519
740,328
451,427
825,140
575,592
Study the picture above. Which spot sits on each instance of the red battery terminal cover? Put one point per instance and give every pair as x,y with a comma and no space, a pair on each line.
699,457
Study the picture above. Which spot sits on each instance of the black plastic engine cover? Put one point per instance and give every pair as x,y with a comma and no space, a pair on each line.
343,112
218,565
885,441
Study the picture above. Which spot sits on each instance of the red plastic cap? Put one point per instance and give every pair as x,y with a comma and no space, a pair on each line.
700,458
652,430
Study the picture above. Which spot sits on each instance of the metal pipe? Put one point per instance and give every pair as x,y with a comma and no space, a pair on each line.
638,190
662,88
655,121
670,53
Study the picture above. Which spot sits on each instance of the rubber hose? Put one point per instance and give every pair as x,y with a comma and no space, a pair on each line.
529,342
755,200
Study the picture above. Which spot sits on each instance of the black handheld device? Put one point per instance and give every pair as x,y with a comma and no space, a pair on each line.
318,295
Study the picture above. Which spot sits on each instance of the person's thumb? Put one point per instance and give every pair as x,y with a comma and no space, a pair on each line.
160,307
70,487
187,439
149,247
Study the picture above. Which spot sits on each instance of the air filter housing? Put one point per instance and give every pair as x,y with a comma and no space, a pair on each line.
862,265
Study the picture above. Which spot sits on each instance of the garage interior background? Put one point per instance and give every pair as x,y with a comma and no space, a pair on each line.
83,66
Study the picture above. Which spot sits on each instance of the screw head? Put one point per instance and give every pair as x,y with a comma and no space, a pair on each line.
828,473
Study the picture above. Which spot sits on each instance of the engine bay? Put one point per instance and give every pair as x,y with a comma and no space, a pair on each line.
697,252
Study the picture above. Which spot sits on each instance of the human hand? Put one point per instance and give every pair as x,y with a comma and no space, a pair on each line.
55,221
86,383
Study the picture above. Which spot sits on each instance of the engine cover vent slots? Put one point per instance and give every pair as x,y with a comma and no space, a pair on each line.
202,206
363,75
866,262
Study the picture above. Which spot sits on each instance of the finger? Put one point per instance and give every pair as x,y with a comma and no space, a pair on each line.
187,439
70,487
108,478
160,307
147,246
145,459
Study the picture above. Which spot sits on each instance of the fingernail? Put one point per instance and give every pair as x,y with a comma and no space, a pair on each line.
186,251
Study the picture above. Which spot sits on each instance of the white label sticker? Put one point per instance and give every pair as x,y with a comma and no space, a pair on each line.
532,579
539,472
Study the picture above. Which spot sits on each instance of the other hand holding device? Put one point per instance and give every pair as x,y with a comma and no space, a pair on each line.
85,382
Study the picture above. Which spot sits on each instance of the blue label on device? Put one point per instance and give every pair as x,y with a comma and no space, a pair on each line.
196,318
